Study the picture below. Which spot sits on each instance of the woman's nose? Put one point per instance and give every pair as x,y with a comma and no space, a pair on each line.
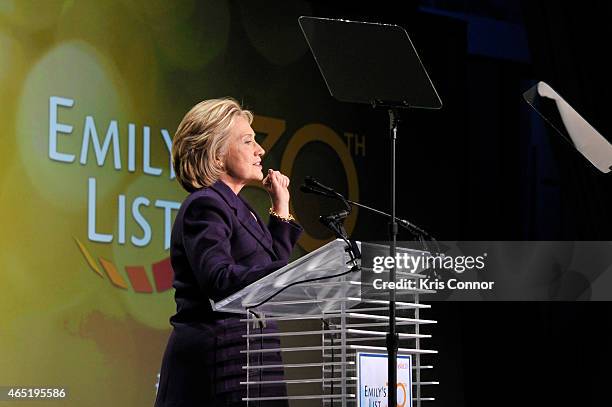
260,150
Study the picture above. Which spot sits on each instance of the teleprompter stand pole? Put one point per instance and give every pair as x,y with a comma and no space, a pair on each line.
392,336
346,52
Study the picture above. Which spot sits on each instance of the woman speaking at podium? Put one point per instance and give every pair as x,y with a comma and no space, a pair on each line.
218,246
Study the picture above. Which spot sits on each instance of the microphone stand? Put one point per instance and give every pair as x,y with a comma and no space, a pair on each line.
415,230
334,222
411,227
392,337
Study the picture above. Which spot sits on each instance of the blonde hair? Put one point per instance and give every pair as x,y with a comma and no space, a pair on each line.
201,141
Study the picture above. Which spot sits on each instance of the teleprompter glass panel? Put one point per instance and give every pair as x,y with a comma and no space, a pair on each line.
369,63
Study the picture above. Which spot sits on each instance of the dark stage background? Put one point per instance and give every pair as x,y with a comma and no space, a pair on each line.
93,315
485,167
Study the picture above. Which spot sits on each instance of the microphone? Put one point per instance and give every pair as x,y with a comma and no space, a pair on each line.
412,226
310,190
311,182
333,222
312,186
333,217
306,189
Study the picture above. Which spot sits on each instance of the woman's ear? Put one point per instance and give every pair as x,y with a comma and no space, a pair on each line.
220,163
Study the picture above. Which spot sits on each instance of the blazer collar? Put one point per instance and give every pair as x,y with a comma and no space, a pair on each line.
227,194
242,210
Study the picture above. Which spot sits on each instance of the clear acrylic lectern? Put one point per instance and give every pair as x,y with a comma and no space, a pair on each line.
337,318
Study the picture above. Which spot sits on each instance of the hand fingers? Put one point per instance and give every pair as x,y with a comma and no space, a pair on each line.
276,178
267,181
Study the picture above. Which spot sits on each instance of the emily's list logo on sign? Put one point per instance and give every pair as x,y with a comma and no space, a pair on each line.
372,380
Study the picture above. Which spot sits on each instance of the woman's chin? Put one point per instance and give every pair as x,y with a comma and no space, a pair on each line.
256,179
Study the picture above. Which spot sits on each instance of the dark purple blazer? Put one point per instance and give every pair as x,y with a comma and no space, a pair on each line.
217,248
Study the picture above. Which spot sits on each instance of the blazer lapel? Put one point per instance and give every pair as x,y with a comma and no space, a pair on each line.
243,210
252,226
260,226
